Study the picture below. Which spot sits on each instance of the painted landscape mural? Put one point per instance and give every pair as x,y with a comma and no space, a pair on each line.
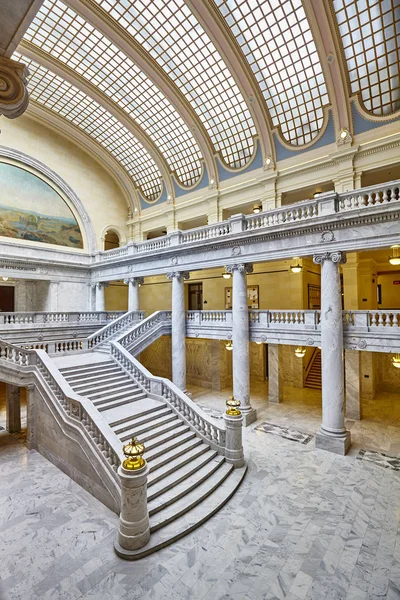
30,209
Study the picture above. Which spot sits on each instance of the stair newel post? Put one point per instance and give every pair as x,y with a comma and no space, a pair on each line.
233,439
134,526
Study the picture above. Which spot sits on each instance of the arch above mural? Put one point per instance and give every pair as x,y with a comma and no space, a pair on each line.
53,214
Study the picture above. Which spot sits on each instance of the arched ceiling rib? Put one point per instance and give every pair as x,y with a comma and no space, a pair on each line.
174,39
277,42
370,33
214,25
66,36
53,92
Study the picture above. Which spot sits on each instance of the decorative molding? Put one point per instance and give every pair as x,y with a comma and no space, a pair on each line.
134,280
335,257
241,268
327,236
179,275
14,97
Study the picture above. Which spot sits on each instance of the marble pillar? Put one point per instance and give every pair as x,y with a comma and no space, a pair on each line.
233,441
240,340
30,416
178,335
275,374
51,299
352,360
134,284
100,296
13,408
368,370
332,435
134,527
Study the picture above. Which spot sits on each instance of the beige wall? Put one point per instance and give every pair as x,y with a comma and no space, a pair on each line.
96,189
116,296
390,292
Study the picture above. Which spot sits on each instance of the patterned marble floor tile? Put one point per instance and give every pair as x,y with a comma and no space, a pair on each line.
284,432
380,459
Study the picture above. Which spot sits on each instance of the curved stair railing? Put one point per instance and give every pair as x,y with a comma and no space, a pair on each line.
105,333
145,332
205,426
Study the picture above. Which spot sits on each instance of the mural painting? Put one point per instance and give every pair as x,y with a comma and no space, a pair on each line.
30,209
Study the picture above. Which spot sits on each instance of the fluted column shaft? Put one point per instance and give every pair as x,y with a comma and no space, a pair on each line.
178,329
134,284
333,435
240,339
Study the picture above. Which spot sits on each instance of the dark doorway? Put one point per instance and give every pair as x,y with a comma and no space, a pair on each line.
7,298
195,296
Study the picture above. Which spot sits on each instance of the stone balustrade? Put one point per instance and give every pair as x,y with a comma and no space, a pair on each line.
26,319
106,332
159,323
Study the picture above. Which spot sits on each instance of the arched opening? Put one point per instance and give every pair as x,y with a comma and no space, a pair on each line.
111,240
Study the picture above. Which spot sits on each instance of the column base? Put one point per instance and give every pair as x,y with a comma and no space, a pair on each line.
249,415
339,444
126,554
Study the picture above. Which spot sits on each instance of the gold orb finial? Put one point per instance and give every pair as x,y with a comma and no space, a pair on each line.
232,407
133,452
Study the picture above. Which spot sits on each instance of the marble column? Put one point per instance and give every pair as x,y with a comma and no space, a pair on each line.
51,302
352,360
134,528
100,296
240,340
13,408
30,416
332,435
134,284
178,328
275,374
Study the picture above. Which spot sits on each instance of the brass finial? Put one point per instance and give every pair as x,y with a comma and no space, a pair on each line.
232,405
133,451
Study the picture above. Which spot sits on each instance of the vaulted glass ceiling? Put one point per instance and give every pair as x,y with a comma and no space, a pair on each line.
56,94
276,39
174,38
370,34
66,36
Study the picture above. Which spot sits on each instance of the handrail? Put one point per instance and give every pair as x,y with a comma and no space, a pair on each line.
160,316
199,421
112,328
32,317
75,407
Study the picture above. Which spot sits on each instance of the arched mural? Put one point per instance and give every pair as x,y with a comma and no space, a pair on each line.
30,209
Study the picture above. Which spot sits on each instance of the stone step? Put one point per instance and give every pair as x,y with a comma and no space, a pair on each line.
192,519
150,433
191,455
163,461
96,376
115,403
143,410
192,473
101,365
109,383
176,509
132,396
152,422
152,442
170,444
114,392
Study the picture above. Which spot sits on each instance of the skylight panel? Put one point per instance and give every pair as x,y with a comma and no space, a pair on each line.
67,101
370,32
172,35
66,36
272,34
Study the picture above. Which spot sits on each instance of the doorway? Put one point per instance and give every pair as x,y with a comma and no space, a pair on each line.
7,298
195,296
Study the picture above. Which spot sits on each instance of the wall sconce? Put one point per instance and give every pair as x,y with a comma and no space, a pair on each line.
229,346
296,268
344,136
396,361
259,343
300,351
5,278
395,258
257,209
226,275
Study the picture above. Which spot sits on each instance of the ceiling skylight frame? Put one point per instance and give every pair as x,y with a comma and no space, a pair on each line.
174,39
299,115
362,53
68,102
70,39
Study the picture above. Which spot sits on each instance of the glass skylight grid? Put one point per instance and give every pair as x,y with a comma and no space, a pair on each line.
66,36
174,38
276,39
370,33
68,102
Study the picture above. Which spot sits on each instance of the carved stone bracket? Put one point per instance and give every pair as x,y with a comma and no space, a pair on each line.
14,97
335,257
178,274
246,268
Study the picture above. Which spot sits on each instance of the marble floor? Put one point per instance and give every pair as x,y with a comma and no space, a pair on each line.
304,525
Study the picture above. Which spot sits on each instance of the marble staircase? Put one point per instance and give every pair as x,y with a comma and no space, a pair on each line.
188,479
313,377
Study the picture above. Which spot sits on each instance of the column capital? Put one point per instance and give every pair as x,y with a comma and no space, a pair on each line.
14,97
101,284
180,275
241,268
335,257
134,280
